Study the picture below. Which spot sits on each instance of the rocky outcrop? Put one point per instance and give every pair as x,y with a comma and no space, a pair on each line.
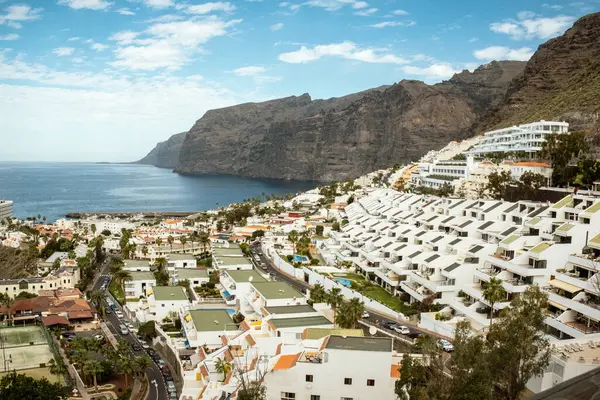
165,154
560,82
341,138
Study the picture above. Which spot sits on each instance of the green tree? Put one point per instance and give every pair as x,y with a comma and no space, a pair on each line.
158,242
183,241
93,368
147,330
96,297
334,299
318,294
563,151
259,233
145,250
293,238
19,387
162,277
170,240
498,184
161,263
121,277
105,232
126,365
93,228
349,313
493,293
222,367
319,230
335,226
56,367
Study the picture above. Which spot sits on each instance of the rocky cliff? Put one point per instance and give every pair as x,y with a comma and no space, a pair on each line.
560,82
165,154
341,138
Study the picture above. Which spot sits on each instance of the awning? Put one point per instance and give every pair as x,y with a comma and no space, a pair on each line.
557,305
565,286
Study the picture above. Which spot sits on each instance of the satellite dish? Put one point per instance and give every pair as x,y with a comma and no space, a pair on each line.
250,279
372,330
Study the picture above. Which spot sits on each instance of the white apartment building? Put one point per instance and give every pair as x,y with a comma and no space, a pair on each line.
519,168
6,209
229,257
140,281
113,225
181,261
334,369
527,138
162,300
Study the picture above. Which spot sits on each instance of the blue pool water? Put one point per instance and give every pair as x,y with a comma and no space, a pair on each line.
226,293
300,259
230,312
345,282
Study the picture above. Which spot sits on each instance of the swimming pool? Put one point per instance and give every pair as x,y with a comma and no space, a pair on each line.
300,259
226,293
345,282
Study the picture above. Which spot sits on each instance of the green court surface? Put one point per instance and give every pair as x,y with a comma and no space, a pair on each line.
39,373
22,336
25,357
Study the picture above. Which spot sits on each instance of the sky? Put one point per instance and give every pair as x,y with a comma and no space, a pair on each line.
105,80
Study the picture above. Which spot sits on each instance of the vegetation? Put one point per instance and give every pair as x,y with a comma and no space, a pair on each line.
445,190
493,293
568,155
502,186
496,367
334,298
349,313
318,294
147,330
19,386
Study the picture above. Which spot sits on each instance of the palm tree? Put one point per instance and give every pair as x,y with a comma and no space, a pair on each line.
349,313
161,263
93,367
97,298
170,240
44,219
183,241
318,294
56,368
204,239
116,264
158,242
142,363
223,367
122,276
145,251
493,293
334,299
126,365
293,237
93,228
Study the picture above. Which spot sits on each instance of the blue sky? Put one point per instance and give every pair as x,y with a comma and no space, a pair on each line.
104,80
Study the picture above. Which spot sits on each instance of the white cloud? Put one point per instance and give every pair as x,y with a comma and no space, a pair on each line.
10,36
108,103
400,12
433,72
529,26
249,71
99,46
86,4
207,8
19,12
63,51
367,12
473,39
328,5
386,24
73,39
77,60
277,26
503,53
346,50
554,7
125,11
158,3
167,45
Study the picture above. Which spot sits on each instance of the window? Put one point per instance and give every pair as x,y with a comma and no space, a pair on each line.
288,396
309,378
315,397
370,382
347,381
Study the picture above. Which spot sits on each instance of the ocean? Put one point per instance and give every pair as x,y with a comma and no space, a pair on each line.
55,189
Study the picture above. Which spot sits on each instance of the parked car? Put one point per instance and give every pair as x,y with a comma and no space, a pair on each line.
113,307
165,370
119,314
108,311
168,378
99,337
388,325
123,329
161,363
145,346
445,345
136,347
402,329
365,314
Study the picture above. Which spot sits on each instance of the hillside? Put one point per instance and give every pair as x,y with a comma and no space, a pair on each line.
340,138
14,263
165,154
560,82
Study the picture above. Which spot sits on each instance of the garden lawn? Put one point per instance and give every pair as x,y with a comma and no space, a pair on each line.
379,294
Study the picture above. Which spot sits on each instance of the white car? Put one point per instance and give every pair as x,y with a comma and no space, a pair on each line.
365,314
119,314
402,329
145,345
123,329
445,345
130,326
99,337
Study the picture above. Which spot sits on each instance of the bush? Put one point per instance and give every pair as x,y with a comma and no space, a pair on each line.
289,257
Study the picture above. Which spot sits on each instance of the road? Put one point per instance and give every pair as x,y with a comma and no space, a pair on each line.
374,318
158,391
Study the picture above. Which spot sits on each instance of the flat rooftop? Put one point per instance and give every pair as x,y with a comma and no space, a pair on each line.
318,333
227,251
276,290
142,276
239,276
190,273
359,343
136,263
300,322
231,261
181,257
211,320
166,293
305,308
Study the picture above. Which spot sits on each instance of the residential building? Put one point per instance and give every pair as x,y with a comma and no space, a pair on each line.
163,300
519,168
206,326
140,281
181,261
229,257
65,277
6,209
195,276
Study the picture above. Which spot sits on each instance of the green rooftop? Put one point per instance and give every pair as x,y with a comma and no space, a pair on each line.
383,344
510,239
291,309
241,276
300,322
136,263
276,290
563,202
540,247
181,257
595,239
211,320
227,251
534,221
231,261
565,227
190,273
318,333
166,293
142,276
593,209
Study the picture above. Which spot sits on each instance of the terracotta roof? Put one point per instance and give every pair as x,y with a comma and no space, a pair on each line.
79,314
531,164
250,340
224,340
394,371
324,344
286,361
51,320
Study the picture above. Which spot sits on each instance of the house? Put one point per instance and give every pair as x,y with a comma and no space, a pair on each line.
181,261
270,294
163,300
139,283
236,283
206,326
230,257
195,276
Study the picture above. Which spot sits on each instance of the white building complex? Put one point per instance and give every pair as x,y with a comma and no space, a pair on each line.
6,209
527,138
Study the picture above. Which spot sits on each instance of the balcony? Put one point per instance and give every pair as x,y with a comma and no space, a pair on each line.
519,269
590,310
411,289
515,285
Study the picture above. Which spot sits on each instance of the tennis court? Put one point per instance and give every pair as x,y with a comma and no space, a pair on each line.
22,336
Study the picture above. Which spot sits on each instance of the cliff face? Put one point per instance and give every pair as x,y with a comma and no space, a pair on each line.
337,139
560,82
165,154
